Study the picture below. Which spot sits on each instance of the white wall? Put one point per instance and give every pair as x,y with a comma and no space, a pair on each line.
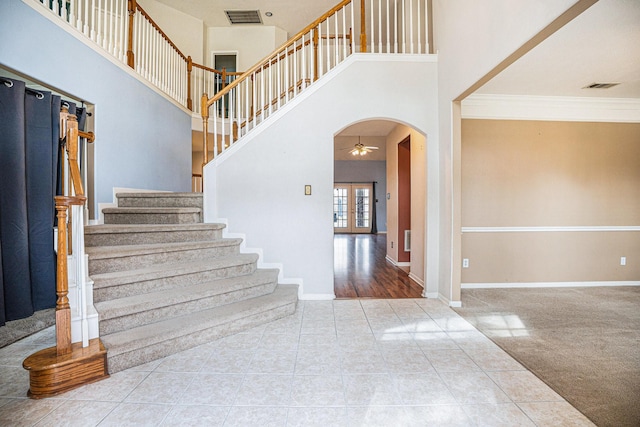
143,140
252,43
185,31
259,184
471,39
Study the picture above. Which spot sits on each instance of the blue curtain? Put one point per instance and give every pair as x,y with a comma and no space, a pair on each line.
29,146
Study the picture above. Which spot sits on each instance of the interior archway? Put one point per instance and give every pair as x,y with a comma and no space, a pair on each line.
369,265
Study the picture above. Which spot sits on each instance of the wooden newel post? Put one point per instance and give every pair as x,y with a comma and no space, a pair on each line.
63,311
363,30
224,78
204,110
189,69
131,7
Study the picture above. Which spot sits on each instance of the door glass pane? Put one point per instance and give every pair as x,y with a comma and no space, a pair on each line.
362,207
340,212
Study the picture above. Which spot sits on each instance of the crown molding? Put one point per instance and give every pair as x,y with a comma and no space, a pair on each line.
551,108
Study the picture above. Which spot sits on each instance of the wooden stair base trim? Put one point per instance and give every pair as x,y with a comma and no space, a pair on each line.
50,374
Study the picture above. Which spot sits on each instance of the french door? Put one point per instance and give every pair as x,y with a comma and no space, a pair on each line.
352,208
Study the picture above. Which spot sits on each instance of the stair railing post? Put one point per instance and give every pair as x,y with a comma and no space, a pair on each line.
189,69
315,53
363,33
63,310
205,130
131,6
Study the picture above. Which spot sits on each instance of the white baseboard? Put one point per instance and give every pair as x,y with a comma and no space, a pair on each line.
432,295
447,301
396,263
548,284
416,279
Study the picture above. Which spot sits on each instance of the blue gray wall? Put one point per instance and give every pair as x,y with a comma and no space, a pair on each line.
143,140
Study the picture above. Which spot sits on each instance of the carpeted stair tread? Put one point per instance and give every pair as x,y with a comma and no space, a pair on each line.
166,330
138,303
170,269
159,199
150,210
132,234
148,228
103,252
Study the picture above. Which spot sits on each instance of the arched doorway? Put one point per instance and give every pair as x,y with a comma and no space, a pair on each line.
367,265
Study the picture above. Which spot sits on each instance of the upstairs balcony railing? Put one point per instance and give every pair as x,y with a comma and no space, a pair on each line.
384,26
123,29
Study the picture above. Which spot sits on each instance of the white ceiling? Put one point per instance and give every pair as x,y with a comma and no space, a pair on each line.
290,15
602,45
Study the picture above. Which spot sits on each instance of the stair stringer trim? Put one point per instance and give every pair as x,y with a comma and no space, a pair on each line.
261,263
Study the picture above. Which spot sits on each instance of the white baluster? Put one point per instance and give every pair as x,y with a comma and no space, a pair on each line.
344,32
388,29
352,31
335,40
380,26
304,62
216,106
419,21
271,65
395,27
328,45
105,27
404,27
411,24
279,78
94,29
426,28
372,28
263,101
320,52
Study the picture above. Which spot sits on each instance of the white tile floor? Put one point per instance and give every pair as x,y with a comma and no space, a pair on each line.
333,363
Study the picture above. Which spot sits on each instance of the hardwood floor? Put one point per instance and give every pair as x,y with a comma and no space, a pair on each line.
361,270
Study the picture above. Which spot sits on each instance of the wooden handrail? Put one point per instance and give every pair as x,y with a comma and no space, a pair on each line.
286,45
213,70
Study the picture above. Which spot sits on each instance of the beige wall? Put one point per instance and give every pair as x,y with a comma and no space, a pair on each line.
473,39
550,174
418,198
252,43
186,31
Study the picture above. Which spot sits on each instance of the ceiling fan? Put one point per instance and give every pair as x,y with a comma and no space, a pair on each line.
360,149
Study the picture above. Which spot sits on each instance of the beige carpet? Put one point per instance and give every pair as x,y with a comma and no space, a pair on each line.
583,342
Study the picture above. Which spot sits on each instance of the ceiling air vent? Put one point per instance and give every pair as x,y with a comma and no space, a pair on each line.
600,85
243,16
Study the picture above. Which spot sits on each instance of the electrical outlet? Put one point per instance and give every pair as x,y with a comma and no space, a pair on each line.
391,245
465,263
623,260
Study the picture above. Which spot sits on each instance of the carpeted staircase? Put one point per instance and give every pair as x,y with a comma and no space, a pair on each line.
165,282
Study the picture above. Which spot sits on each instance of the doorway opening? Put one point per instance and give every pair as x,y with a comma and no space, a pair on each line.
352,208
404,202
